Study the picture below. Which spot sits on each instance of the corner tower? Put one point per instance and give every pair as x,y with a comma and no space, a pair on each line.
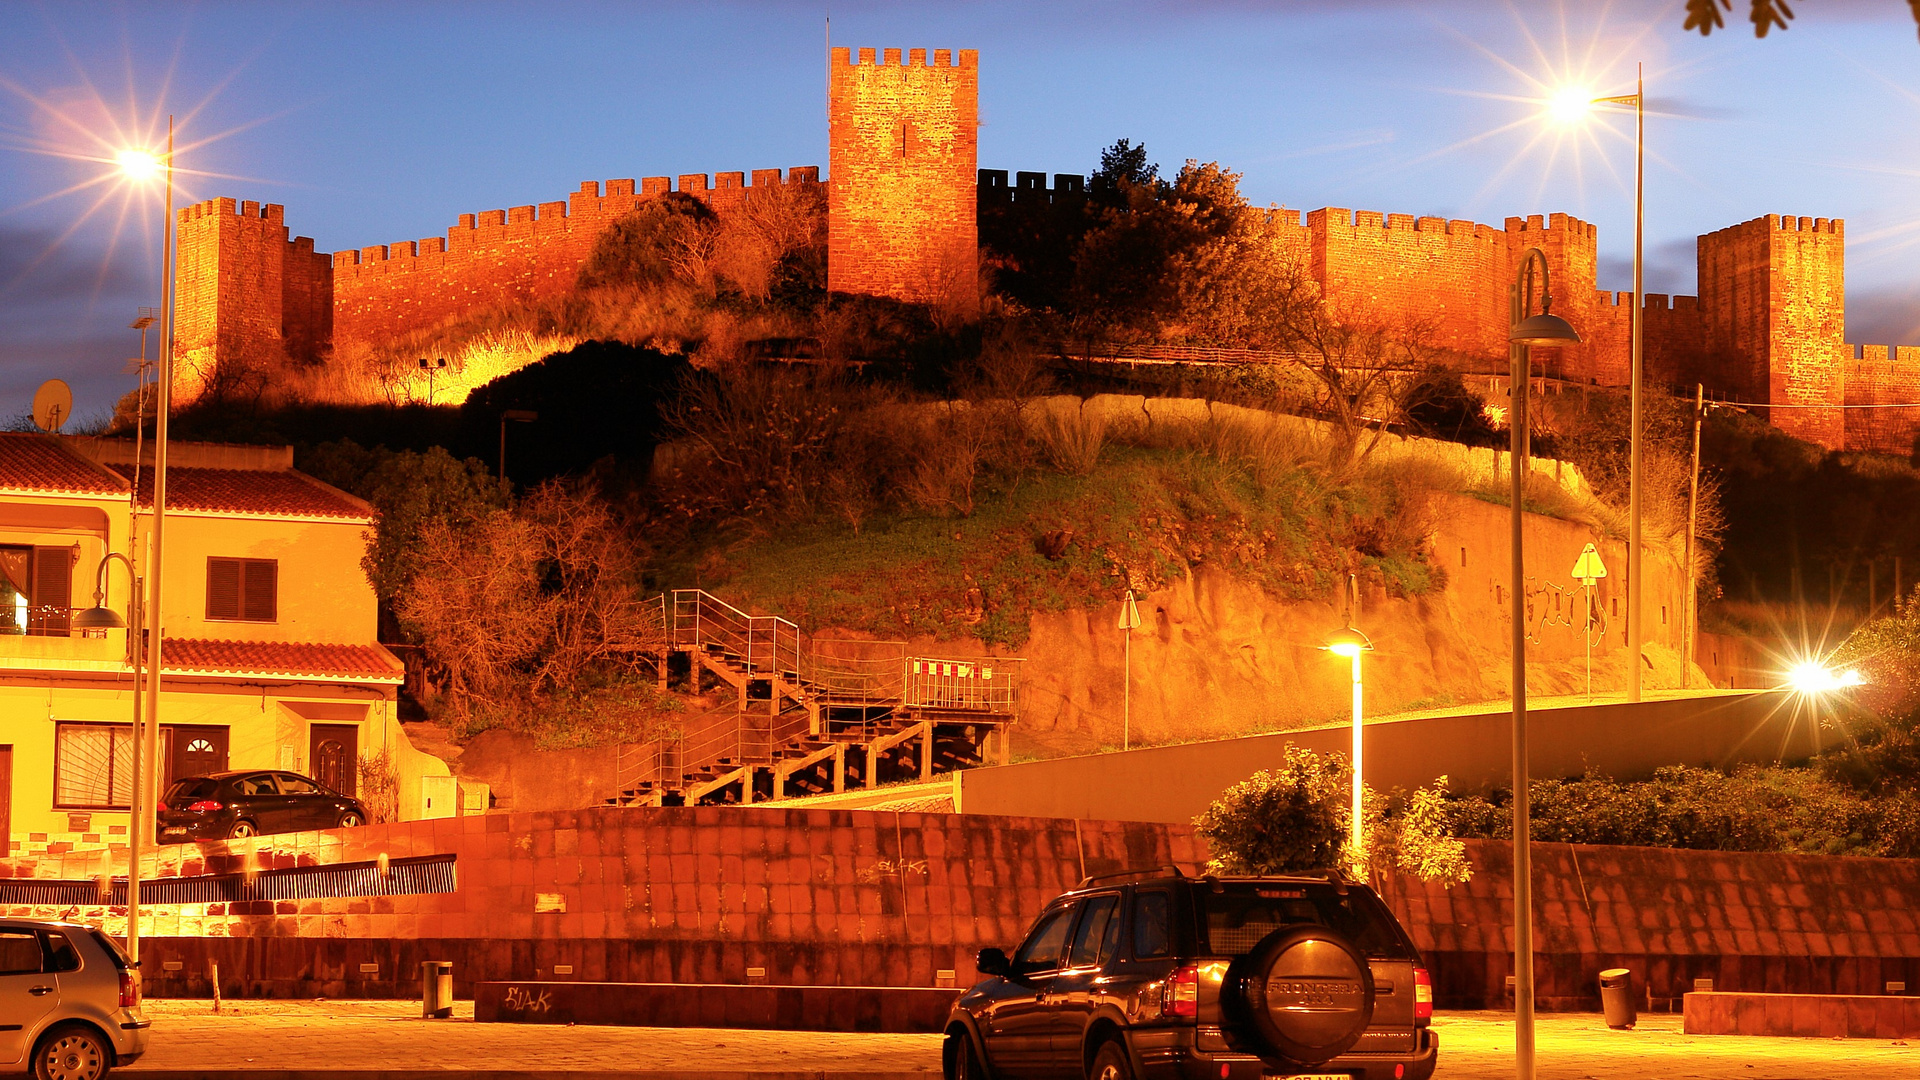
249,299
902,159
1773,304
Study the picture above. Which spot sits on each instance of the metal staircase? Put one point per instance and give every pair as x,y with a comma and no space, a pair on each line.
811,716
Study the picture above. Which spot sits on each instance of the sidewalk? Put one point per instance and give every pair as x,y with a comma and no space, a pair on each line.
378,1040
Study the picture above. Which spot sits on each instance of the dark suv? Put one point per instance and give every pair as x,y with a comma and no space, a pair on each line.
230,805
1163,975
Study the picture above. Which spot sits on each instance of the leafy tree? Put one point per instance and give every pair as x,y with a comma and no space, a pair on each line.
1705,15
1296,819
1125,162
410,492
668,237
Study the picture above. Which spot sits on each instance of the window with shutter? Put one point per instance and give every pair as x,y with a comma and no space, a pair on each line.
93,766
258,584
52,612
243,590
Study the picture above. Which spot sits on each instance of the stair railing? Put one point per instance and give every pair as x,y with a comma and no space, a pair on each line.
763,644
985,684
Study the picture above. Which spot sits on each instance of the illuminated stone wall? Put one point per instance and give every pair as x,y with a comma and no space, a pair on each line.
525,253
901,218
248,296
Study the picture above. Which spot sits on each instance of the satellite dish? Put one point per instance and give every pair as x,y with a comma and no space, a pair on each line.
52,405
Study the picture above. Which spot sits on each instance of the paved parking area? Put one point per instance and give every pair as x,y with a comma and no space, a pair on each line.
374,1040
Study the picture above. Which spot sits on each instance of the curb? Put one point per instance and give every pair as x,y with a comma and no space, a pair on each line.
136,1073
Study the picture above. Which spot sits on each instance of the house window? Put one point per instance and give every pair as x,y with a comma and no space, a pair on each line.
242,590
93,766
36,590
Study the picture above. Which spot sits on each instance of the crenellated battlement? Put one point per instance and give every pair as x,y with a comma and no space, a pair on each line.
1655,301
843,56
586,206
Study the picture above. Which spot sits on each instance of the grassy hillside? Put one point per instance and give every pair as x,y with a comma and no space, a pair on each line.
1051,541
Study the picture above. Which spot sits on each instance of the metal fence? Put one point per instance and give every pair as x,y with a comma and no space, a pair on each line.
986,684
763,644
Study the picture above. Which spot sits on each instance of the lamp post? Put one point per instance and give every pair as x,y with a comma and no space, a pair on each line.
1527,331
102,617
1350,643
143,165
432,368
1636,563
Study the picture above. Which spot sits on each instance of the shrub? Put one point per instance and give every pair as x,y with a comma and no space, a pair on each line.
1296,819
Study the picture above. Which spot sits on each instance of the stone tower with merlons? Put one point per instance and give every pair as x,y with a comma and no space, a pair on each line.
902,157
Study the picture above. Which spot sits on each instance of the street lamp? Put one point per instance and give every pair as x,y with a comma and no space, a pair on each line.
143,165
1526,331
1568,108
1350,643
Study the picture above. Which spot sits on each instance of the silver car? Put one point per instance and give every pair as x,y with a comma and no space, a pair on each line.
69,1001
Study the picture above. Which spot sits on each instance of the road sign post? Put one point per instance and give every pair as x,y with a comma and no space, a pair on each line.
1588,569
1129,622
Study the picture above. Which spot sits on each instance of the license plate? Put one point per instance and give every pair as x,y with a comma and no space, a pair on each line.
171,829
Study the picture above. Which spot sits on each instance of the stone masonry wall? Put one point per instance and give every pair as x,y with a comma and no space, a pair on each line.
247,294
700,895
498,256
1883,375
901,218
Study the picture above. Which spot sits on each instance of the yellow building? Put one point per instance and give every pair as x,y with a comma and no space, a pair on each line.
270,653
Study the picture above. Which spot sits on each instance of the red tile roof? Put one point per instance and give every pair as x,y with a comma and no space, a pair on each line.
250,491
358,663
30,462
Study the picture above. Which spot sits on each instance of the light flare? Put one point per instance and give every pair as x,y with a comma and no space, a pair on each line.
1814,677
139,166
1569,104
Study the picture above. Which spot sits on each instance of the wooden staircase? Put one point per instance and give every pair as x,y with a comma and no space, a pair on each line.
811,717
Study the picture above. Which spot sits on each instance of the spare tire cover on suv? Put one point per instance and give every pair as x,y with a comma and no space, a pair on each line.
1302,996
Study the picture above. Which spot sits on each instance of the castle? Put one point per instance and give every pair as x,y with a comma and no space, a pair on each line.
904,197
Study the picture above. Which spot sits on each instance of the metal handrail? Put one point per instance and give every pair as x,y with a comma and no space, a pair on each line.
764,644
987,684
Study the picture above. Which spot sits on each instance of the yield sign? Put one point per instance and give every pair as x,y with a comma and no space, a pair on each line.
1589,568
1129,613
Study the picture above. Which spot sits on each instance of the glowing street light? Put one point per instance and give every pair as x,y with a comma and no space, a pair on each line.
1813,677
1350,643
140,165
1568,106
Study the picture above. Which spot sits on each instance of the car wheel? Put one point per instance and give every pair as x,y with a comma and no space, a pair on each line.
351,820
241,829
959,1060
1110,1062
72,1052
1303,996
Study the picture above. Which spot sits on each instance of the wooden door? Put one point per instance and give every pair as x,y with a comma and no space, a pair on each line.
334,757
196,751
6,801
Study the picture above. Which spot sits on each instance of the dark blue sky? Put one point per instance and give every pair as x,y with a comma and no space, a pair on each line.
380,122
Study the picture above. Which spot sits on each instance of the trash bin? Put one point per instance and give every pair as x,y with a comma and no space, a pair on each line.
436,989
1616,998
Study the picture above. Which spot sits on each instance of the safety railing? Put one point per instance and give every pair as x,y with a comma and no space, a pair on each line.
984,684
762,644
862,673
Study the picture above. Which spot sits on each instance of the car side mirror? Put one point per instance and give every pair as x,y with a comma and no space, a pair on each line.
994,962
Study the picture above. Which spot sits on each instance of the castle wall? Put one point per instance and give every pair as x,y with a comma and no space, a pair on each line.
1773,291
383,292
1882,375
1394,266
246,292
901,217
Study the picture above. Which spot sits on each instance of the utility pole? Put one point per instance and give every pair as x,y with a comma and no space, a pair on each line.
1689,603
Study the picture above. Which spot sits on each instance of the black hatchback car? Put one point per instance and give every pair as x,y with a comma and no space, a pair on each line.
1163,975
227,805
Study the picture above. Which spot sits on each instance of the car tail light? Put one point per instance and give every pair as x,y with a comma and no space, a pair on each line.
1422,996
205,806
129,989
1180,996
